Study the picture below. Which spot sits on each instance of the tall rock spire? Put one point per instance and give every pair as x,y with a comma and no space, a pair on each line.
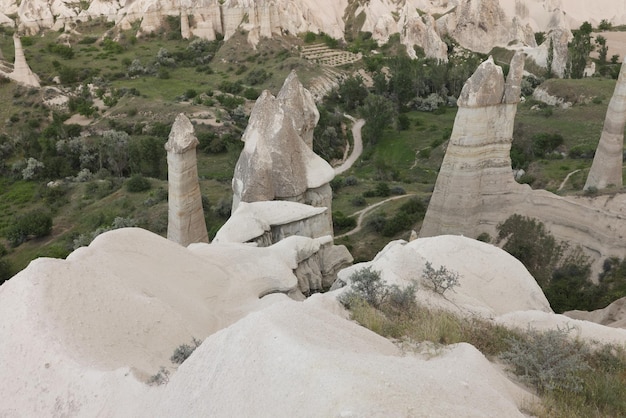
607,164
21,71
185,223
477,161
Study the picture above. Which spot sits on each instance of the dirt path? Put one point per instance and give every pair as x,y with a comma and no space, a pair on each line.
358,146
363,212
564,182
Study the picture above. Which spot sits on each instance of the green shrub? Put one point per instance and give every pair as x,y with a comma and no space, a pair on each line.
310,37
61,50
257,76
358,201
484,237
548,360
341,221
35,224
138,183
183,351
366,284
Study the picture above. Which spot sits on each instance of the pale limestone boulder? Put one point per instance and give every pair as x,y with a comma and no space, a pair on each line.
283,223
491,281
613,315
420,30
186,223
267,222
328,366
33,16
479,25
606,168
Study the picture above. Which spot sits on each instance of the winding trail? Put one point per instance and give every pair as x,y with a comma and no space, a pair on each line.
358,146
564,182
363,212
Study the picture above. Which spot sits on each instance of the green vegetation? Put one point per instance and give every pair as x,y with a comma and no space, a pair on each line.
562,272
571,377
138,86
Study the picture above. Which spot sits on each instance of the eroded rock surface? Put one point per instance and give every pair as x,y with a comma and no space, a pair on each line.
475,188
613,315
270,222
185,221
479,25
21,72
278,162
607,163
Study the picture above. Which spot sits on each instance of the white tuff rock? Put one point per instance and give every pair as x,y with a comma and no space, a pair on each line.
186,223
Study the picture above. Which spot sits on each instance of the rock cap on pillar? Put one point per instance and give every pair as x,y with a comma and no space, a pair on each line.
182,137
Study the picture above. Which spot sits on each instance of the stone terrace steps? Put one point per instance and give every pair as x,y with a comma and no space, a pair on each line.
322,54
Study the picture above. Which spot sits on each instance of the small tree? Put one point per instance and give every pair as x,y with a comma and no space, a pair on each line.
548,360
441,279
603,49
367,285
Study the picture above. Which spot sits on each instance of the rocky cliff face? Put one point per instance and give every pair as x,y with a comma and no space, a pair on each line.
476,24
475,189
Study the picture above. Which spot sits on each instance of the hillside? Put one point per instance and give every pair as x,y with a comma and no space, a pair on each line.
123,322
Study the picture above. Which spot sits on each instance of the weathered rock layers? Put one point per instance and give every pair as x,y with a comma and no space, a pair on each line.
477,160
186,223
475,189
278,162
607,164
281,187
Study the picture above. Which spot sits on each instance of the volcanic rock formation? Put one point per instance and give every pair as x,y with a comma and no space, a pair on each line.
270,222
281,187
475,188
475,24
278,162
21,73
607,163
186,223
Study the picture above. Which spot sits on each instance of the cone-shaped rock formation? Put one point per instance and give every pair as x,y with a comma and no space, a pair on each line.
277,162
607,163
477,159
